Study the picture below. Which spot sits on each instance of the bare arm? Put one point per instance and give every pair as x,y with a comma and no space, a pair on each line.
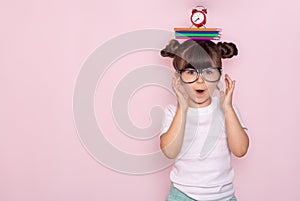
237,138
171,141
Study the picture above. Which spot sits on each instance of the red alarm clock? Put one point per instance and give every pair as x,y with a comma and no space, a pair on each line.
198,17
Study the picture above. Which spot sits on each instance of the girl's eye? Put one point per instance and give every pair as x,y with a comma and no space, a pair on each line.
210,71
191,72
188,70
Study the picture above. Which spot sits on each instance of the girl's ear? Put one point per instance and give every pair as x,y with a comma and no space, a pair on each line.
171,49
227,50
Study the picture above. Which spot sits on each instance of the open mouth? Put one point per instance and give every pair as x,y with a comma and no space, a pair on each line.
200,91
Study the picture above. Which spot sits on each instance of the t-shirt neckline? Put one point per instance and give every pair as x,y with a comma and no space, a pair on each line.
208,108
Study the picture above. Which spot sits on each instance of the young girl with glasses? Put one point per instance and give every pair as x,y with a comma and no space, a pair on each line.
203,129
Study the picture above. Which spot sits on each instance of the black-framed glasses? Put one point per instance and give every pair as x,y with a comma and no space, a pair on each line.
190,74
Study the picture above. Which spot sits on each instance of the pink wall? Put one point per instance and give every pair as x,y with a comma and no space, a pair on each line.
43,47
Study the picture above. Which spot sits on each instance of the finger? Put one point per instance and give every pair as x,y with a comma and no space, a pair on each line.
228,77
186,96
176,75
227,84
174,84
222,93
233,85
176,87
230,92
174,79
177,81
229,81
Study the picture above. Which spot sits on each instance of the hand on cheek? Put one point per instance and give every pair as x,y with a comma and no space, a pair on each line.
182,97
226,97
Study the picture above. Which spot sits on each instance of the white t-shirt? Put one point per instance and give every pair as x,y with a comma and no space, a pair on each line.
202,169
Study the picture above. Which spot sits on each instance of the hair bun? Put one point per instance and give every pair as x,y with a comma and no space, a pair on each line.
227,50
170,49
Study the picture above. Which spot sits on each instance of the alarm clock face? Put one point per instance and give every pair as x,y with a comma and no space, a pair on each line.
198,17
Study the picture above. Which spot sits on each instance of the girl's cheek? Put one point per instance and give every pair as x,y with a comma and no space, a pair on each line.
187,88
211,88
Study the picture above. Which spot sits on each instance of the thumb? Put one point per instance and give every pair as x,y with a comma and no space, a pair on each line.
222,93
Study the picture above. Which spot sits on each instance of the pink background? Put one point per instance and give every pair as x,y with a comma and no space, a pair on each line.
43,45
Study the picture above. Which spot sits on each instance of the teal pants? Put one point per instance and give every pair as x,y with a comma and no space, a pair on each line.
177,195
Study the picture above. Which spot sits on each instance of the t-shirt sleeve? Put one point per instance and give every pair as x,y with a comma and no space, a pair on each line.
240,118
169,113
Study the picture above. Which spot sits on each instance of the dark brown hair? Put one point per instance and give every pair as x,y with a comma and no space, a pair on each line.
198,53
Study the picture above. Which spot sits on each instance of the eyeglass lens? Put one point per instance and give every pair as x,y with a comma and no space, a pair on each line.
208,74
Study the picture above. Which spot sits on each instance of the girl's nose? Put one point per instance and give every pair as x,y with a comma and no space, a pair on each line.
200,79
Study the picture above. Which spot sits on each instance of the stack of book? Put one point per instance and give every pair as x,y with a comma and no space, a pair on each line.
198,33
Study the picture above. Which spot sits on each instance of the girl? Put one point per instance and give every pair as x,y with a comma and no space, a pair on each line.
202,130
